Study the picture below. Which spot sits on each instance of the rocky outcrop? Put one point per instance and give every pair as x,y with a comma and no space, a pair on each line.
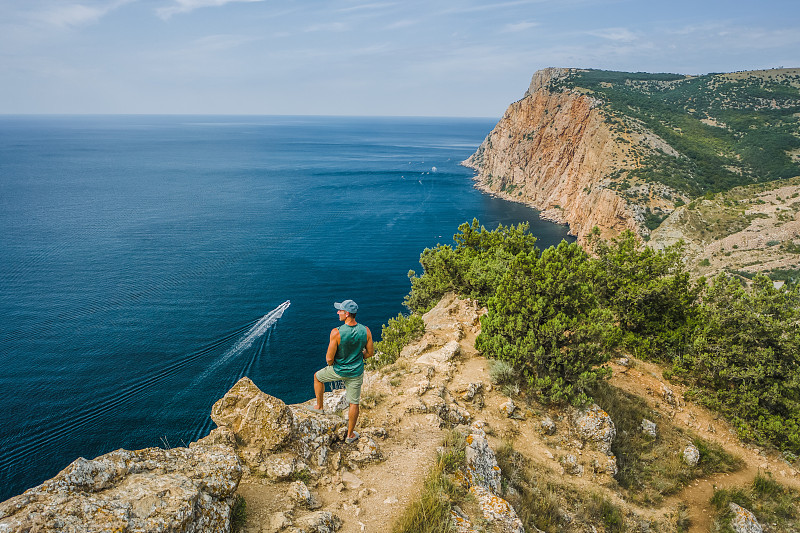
181,489
555,151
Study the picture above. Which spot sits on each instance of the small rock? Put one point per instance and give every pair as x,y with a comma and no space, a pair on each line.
649,428
508,408
298,492
351,481
668,395
691,455
548,426
280,521
391,500
571,465
472,390
596,426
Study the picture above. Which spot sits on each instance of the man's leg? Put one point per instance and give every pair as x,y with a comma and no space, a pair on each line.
319,390
352,416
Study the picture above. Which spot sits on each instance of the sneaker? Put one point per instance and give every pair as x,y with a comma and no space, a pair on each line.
351,440
315,410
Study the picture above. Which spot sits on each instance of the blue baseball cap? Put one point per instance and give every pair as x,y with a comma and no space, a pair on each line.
348,305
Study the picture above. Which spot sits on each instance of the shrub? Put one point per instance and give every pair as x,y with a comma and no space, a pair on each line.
743,359
395,335
545,321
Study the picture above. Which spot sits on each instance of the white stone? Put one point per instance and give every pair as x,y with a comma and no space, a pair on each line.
691,455
744,521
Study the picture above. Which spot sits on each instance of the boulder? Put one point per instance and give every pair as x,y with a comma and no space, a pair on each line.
154,490
595,426
497,511
648,428
744,521
691,455
261,423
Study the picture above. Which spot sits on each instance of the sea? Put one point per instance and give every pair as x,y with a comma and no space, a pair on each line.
149,262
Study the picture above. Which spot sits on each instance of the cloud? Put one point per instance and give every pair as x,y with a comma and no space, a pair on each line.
185,6
519,26
363,7
73,15
622,35
328,27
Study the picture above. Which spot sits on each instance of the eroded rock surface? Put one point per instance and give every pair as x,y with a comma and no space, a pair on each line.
154,490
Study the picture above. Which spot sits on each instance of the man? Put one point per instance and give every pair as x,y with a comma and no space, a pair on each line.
350,344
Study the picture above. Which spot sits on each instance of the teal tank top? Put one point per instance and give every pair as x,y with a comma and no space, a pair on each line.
349,362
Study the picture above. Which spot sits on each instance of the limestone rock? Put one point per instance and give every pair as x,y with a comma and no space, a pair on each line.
473,389
497,510
554,150
280,466
260,422
481,463
461,521
548,426
691,455
221,435
314,433
298,492
440,358
280,521
154,490
335,401
649,427
508,408
571,465
319,522
668,395
744,521
367,452
594,425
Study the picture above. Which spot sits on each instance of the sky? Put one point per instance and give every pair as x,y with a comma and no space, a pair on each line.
364,58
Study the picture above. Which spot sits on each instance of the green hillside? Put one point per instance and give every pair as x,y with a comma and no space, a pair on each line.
729,129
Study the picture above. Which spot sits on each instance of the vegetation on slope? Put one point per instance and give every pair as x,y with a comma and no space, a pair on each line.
729,129
557,316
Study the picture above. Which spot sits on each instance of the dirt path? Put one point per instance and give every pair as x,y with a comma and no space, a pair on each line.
645,381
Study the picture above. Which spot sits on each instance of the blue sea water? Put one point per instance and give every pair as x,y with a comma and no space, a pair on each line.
145,262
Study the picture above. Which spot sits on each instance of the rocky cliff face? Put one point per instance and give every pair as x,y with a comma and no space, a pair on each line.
556,151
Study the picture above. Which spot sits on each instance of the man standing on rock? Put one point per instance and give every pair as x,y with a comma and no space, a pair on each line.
350,344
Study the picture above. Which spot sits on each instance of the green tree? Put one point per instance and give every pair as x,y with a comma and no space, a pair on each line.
544,319
472,269
649,292
744,358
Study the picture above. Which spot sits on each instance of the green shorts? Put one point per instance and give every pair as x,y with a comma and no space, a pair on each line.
352,386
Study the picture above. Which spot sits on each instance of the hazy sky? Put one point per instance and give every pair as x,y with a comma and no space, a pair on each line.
340,57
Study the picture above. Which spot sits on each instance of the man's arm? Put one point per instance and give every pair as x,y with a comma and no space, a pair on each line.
333,345
368,350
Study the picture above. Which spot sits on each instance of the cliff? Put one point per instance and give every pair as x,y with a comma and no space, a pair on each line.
555,151
622,151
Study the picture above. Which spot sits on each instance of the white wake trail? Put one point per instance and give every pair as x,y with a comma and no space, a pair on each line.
258,329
